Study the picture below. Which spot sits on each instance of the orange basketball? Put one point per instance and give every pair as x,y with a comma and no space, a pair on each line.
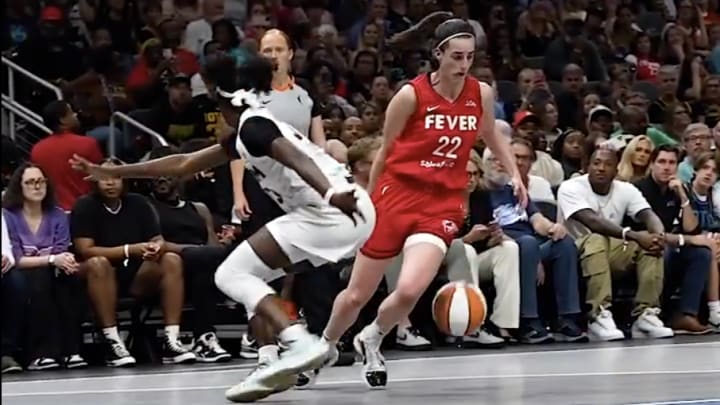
459,308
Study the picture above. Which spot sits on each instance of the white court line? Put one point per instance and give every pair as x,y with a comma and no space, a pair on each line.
353,382
693,401
410,360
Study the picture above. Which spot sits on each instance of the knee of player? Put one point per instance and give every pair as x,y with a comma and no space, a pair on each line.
222,274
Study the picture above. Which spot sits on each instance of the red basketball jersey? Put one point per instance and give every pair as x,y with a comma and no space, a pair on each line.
435,145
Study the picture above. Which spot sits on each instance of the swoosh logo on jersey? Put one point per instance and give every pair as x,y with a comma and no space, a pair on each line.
433,108
384,189
266,102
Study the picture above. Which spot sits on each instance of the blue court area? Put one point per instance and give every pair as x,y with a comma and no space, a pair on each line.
676,371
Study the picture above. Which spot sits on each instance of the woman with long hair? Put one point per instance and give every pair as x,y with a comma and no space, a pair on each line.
40,236
643,54
635,161
678,116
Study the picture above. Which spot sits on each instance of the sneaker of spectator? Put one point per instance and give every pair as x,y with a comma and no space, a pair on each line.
248,347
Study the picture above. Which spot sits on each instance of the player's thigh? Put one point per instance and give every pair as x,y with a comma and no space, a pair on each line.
366,275
395,217
421,260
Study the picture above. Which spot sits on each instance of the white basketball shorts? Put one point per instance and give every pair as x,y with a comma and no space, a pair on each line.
323,234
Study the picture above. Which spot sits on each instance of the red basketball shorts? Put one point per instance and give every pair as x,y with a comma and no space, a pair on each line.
404,210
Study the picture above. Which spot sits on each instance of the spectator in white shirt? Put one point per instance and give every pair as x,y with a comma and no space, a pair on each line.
593,207
199,32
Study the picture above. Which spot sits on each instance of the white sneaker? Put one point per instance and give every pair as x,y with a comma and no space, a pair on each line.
374,372
603,328
43,363
409,338
251,389
714,320
306,379
483,338
648,325
248,347
303,354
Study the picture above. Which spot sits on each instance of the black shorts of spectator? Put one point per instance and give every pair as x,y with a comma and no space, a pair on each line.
117,234
40,238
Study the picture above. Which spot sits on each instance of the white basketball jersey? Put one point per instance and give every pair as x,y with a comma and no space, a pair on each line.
282,183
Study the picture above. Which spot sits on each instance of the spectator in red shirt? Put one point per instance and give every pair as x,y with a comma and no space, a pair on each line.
52,153
160,59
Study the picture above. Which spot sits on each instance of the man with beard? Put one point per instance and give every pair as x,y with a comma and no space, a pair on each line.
696,140
593,207
689,256
541,242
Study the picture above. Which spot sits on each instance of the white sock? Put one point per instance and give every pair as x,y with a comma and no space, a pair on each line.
372,332
292,333
111,334
714,306
172,331
268,354
327,340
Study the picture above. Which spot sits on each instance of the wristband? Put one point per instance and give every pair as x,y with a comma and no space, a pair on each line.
126,250
51,260
681,240
685,204
328,195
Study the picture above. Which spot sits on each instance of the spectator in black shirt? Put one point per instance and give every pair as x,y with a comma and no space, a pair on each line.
188,230
177,117
688,259
118,235
573,48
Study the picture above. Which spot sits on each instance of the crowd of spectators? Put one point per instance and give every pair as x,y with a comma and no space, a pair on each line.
612,108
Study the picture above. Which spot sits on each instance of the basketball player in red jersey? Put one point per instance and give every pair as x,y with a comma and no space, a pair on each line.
417,182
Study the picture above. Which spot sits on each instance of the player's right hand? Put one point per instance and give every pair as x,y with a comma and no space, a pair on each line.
347,203
94,171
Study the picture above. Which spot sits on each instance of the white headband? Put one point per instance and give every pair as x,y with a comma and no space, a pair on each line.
453,36
241,98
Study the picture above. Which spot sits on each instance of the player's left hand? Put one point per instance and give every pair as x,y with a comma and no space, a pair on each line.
347,203
521,192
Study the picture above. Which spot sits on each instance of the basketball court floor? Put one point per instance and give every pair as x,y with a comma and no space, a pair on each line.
676,371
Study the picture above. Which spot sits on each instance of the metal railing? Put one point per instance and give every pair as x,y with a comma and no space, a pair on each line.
12,68
127,120
17,109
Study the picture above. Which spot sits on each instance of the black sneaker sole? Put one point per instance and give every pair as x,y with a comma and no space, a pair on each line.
418,348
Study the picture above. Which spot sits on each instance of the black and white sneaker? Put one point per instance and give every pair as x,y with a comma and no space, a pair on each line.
208,350
43,363
410,339
117,355
74,361
173,352
9,365
374,372
306,379
248,347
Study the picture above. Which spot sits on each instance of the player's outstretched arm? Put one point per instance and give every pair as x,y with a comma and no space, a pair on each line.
174,165
399,110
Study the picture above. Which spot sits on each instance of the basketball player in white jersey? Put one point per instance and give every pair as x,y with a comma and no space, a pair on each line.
327,217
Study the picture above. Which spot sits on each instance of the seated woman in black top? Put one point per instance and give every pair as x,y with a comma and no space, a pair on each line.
188,230
118,235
